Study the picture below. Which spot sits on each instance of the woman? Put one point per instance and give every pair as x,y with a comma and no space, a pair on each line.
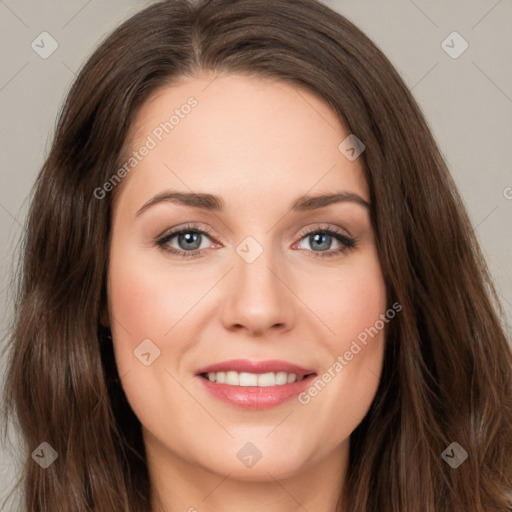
254,369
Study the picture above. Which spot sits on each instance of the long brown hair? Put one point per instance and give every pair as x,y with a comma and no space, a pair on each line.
447,371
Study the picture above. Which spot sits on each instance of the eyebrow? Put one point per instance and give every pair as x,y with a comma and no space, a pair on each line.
214,203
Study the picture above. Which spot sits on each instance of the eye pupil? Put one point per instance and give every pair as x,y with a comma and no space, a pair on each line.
190,237
324,245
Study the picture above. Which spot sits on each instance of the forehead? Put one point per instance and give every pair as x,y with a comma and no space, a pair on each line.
237,133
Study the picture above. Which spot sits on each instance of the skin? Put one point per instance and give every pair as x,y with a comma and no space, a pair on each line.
258,144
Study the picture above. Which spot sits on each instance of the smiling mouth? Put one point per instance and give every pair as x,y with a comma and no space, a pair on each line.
246,379
251,384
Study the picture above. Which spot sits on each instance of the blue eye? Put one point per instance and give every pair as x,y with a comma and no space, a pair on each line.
189,240
188,237
322,238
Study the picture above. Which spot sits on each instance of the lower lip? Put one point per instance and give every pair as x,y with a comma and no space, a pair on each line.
254,397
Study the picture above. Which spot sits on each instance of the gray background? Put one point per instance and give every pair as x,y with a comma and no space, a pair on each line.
467,102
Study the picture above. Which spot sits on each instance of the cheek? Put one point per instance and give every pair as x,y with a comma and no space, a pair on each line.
353,309
360,328
137,304
350,302
147,299
145,304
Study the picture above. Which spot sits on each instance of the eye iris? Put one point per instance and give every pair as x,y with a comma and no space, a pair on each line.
194,238
317,237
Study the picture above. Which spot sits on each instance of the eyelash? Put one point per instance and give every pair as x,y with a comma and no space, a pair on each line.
347,243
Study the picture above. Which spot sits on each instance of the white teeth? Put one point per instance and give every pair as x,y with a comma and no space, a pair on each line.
266,379
232,378
282,377
248,379
253,379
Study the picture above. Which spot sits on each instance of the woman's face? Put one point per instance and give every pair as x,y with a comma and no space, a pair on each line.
252,292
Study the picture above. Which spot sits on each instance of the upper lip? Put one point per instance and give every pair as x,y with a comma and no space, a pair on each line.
245,365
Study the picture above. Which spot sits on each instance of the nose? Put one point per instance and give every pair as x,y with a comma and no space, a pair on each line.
257,298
